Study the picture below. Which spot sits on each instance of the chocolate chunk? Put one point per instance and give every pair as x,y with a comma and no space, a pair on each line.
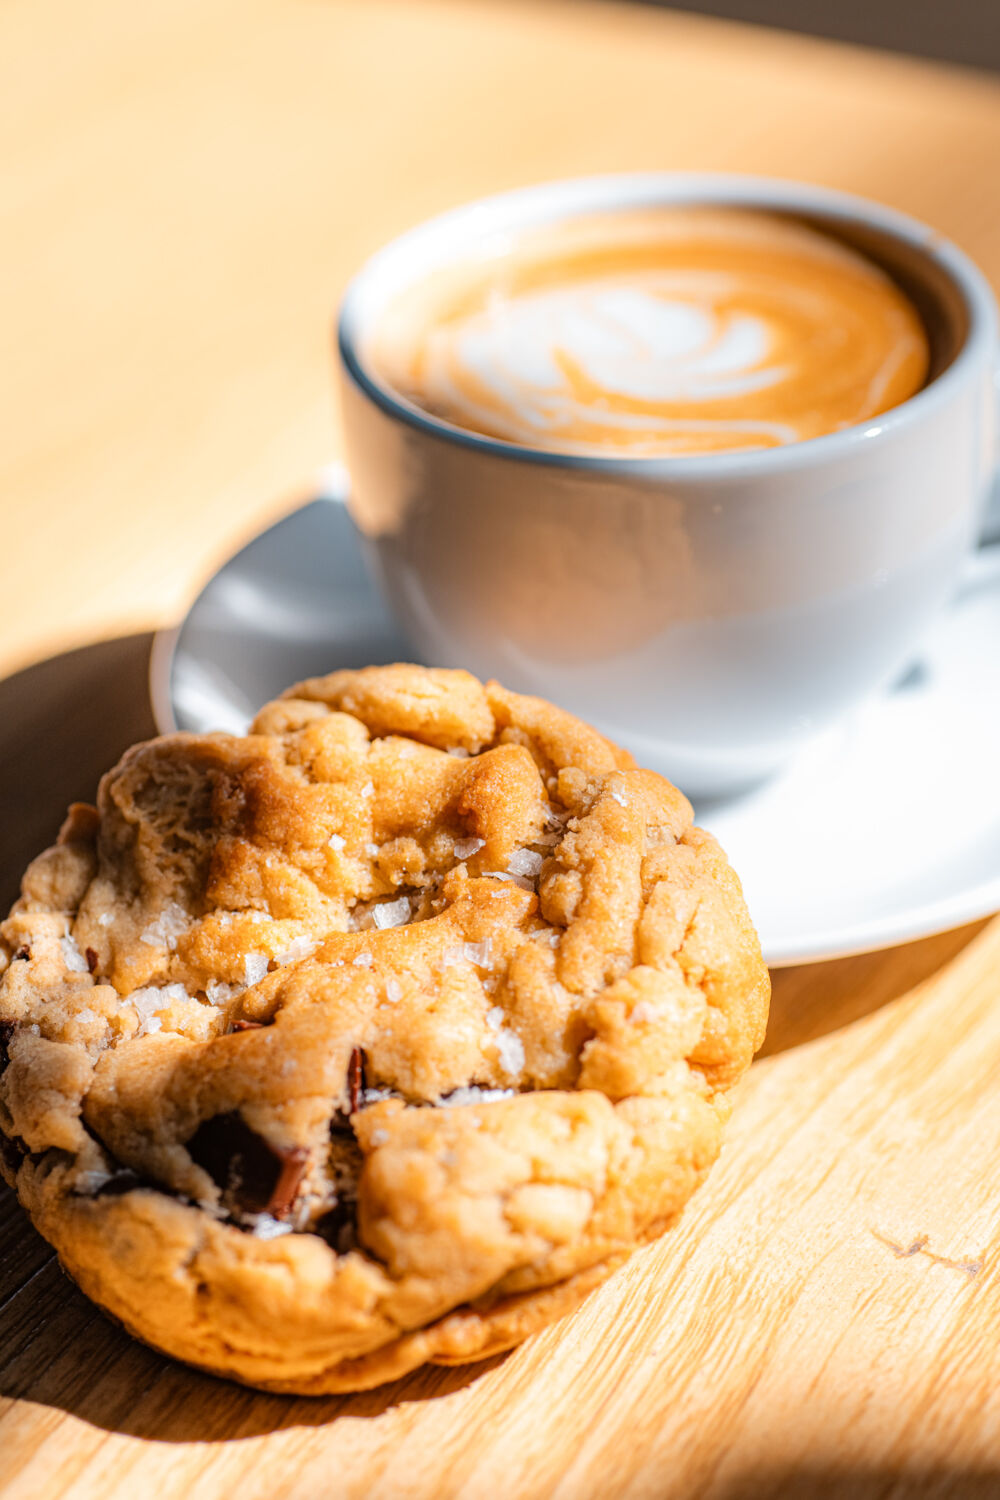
7,1029
91,958
355,1079
22,952
257,1176
293,1166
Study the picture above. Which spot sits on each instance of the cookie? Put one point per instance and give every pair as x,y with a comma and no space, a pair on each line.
380,1035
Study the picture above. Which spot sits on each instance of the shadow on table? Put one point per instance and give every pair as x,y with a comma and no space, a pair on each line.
62,723
811,1000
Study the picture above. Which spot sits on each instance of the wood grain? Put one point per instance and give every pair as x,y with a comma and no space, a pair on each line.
186,189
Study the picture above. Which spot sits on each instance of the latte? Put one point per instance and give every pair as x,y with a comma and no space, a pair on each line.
659,332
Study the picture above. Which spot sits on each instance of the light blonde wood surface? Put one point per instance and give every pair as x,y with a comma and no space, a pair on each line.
186,188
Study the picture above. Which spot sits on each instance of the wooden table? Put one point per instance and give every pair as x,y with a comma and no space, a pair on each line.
187,186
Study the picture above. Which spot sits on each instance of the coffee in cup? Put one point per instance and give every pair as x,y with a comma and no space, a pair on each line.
656,332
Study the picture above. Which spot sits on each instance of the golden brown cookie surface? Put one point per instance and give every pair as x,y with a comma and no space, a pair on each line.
378,1035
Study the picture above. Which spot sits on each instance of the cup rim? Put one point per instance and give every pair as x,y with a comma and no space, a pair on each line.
551,201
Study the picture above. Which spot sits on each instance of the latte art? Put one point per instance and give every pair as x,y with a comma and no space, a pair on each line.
684,331
604,358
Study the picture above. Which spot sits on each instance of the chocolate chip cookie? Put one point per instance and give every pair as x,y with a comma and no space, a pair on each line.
379,1035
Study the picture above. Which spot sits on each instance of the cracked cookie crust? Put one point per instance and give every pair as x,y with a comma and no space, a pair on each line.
379,1035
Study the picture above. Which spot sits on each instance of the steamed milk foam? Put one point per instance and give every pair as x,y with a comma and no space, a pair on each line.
656,332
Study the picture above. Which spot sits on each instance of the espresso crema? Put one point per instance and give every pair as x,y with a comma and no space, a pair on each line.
655,333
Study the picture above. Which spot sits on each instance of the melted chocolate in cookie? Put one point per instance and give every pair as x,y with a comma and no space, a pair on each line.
257,1176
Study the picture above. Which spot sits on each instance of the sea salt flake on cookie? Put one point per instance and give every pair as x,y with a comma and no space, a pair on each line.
511,878
511,1050
218,992
152,1000
298,948
392,913
474,1094
466,848
147,1002
254,968
172,922
72,957
265,1227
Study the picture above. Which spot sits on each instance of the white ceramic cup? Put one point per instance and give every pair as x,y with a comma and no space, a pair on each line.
708,612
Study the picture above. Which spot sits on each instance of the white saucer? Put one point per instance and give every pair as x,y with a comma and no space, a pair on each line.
887,829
